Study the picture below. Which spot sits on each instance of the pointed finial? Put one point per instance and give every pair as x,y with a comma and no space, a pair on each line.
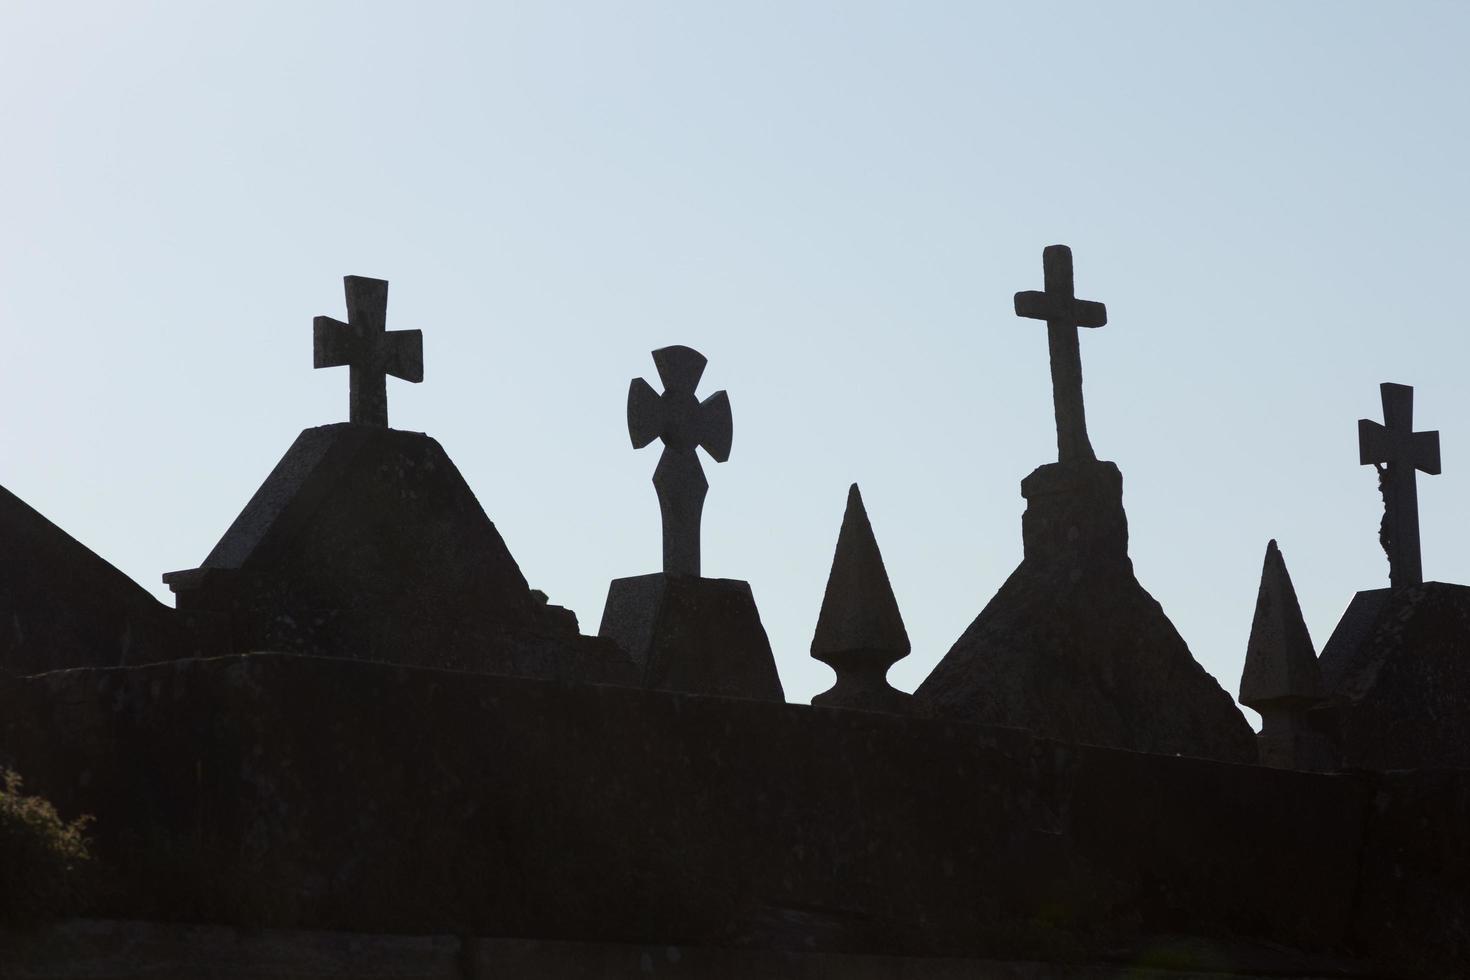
1280,663
860,632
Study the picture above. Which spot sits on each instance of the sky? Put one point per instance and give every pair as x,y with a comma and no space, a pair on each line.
834,202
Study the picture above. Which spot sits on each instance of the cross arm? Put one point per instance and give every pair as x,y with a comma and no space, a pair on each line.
332,342
1426,452
1036,305
716,428
1373,443
403,354
645,413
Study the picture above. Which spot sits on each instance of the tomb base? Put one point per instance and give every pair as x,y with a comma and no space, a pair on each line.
1073,647
1397,676
691,634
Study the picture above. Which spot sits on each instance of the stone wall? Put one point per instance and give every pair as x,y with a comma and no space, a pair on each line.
287,791
109,950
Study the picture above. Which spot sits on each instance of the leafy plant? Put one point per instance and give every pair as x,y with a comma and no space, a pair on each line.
44,861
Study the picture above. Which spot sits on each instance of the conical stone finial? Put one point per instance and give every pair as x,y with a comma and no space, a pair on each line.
860,632
1281,679
1280,664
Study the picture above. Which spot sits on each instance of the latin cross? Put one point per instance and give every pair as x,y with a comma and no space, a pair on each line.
1400,452
1063,312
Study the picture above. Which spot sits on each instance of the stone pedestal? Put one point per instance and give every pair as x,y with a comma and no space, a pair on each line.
1074,516
367,543
862,683
1397,673
1290,739
1073,647
691,634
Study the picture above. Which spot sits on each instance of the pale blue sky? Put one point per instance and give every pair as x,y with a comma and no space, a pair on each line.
833,201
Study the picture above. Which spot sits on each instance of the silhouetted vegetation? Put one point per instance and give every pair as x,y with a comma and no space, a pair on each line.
46,859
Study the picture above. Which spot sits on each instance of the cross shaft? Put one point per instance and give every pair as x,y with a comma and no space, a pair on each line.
369,350
1401,453
1063,312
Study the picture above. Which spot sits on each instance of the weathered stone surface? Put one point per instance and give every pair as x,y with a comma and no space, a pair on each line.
366,542
697,635
860,632
368,349
126,950
1415,877
1397,671
1281,679
515,807
1280,662
1072,646
1397,452
1063,312
683,423
114,950
61,605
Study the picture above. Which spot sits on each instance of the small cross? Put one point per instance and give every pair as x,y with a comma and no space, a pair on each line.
1399,451
368,348
682,422
1063,312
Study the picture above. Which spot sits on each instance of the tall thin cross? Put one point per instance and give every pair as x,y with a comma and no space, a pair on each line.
1063,312
368,348
682,422
1399,452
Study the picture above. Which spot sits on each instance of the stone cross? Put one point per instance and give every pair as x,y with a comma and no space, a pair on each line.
1399,451
1063,312
368,348
682,422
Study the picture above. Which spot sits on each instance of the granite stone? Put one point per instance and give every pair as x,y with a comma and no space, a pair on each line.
1063,312
1397,675
62,605
860,632
1281,679
683,423
695,635
1073,647
366,542
275,790
1397,452
368,349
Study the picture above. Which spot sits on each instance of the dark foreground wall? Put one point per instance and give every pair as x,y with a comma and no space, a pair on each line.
102,950
290,791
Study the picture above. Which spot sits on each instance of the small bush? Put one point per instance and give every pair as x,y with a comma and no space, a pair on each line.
43,859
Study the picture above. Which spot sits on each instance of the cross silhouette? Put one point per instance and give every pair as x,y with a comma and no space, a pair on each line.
682,422
368,348
1399,451
1063,312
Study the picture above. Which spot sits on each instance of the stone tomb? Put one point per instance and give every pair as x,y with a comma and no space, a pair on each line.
1397,674
62,605
685,632
365,542
1396,670
1072,646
